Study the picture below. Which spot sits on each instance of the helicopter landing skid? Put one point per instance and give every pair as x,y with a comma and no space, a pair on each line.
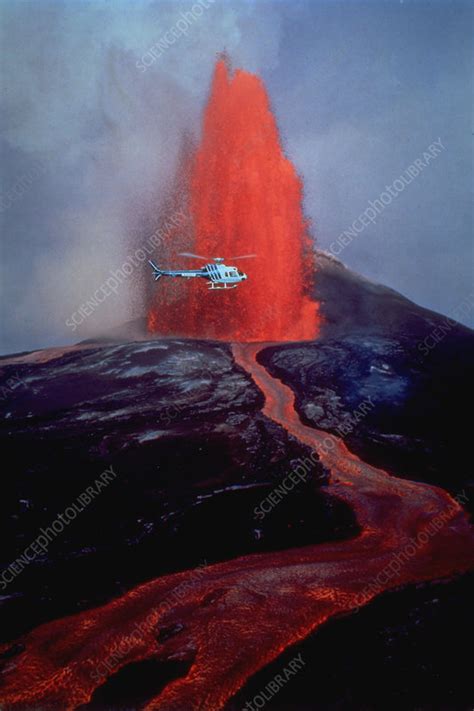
212,286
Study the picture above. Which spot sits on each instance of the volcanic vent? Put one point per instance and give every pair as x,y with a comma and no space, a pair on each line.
244,198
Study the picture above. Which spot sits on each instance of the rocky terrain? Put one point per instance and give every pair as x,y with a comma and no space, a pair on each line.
181,425
413,365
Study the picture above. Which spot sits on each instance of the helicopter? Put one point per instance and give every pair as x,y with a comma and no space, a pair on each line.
218,274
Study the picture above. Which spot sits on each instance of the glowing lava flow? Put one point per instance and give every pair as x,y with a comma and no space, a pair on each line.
246,198
235,617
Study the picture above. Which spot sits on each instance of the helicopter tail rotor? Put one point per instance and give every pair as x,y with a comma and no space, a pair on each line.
157,272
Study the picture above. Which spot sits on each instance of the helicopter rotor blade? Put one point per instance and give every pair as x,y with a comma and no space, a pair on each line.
242,256
193,256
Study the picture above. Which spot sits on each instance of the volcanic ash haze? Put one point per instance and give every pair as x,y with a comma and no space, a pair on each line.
246,198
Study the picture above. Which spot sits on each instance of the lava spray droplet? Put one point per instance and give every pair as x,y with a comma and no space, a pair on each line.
245,198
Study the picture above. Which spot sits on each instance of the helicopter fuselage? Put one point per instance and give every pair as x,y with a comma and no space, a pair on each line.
218,276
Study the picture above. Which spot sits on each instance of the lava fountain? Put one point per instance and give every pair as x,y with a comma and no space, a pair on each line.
245,198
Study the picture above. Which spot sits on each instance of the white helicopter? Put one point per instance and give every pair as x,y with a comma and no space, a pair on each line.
218,274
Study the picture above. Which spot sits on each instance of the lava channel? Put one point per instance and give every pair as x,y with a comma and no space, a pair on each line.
231,619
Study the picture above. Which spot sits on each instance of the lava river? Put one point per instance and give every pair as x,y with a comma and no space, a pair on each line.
233,618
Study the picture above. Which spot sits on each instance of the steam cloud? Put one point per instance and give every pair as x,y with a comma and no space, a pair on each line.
89,142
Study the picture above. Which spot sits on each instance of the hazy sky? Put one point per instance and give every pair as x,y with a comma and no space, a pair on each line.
89,140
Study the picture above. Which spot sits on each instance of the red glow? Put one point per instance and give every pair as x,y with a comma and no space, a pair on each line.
239,615
245,198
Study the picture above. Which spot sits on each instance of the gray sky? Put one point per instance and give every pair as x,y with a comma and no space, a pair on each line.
359,90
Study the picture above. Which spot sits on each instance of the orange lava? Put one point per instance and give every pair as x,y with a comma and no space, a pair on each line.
246,198
235,617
